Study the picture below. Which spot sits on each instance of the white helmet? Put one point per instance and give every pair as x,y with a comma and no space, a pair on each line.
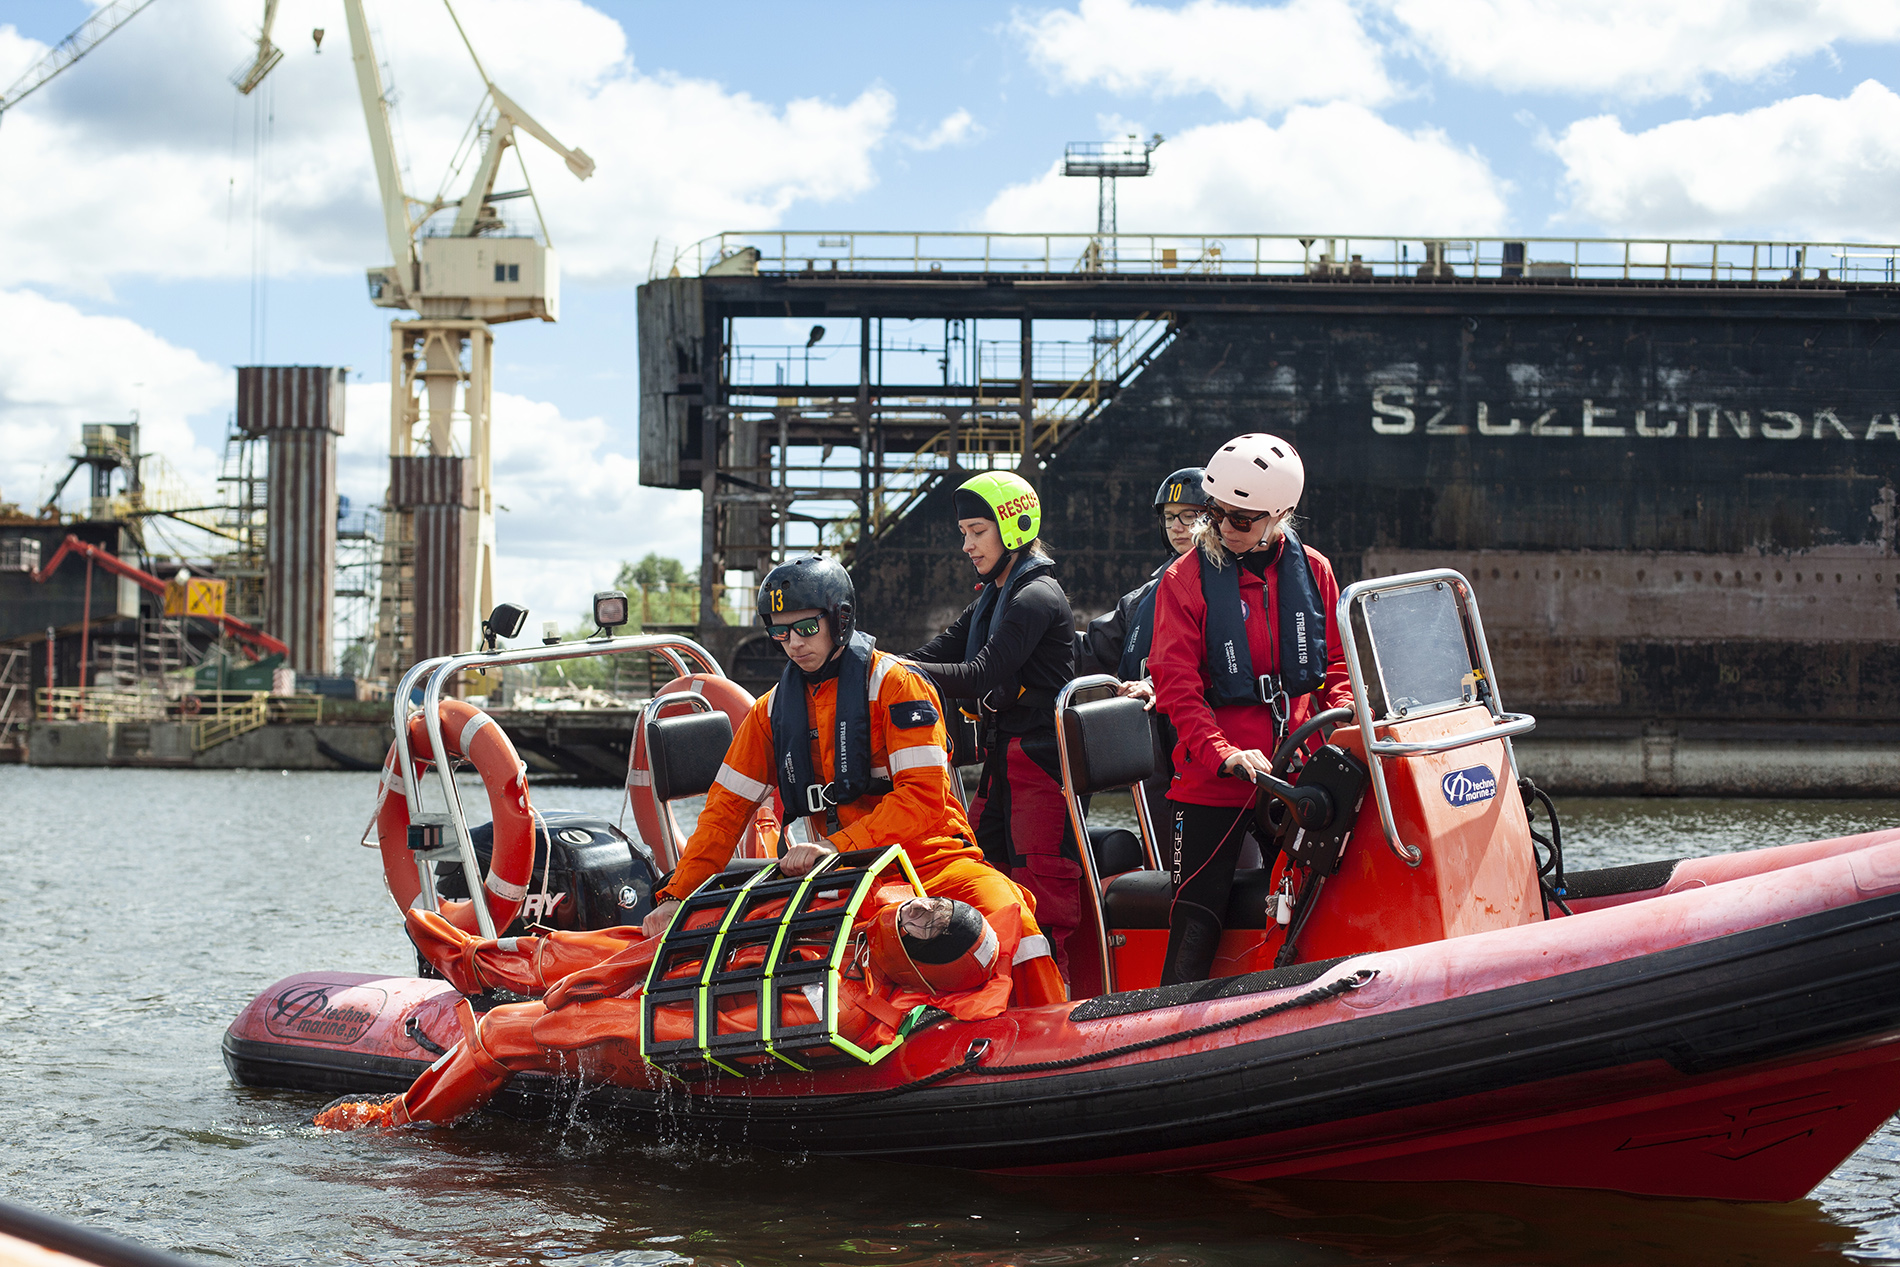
1256,472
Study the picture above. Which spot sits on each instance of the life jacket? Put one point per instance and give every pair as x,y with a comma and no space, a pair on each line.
1139,637
990,606
1302,621
798,785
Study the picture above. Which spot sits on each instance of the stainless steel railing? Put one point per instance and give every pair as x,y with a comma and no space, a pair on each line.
1504,725
676,649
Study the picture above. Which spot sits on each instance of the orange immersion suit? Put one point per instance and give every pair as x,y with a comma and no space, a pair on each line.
584,975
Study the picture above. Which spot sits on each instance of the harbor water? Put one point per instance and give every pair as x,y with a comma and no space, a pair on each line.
142,909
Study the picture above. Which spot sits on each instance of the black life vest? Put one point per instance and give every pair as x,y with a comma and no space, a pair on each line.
1138,639
1028,702
798,785
1302,620
989,611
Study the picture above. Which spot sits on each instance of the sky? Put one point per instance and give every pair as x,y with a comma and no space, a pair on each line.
163,230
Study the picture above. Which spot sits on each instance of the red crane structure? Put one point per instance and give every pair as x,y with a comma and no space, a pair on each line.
250,635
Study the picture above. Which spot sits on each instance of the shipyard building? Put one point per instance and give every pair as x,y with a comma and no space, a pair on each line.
1668,467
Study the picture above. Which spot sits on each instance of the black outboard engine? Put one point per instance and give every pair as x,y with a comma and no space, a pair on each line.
587,874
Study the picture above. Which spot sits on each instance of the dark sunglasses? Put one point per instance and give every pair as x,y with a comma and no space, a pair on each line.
806,628
1241,522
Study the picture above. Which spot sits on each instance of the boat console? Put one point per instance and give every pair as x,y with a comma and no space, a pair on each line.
1421,833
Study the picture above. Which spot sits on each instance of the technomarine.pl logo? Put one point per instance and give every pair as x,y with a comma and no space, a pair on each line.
1470,786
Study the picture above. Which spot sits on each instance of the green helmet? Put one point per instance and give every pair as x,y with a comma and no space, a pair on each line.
1007,498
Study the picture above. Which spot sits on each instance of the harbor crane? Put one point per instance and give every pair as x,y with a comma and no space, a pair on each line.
439,536
106,19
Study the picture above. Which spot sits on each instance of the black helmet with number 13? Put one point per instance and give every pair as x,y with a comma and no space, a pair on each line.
810,581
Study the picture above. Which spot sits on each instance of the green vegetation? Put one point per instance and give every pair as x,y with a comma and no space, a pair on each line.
660,591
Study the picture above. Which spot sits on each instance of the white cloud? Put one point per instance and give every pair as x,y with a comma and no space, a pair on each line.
576,509
141,157
50,382
1807,166
1637,49
1263,58
957,128
1335,168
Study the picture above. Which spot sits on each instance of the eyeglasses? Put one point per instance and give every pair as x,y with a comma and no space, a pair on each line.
806,628
1237,520
1183,518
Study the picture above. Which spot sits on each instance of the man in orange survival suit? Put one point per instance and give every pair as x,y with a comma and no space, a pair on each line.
881,774
897,792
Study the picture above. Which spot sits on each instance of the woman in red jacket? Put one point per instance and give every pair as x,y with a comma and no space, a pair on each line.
1244,650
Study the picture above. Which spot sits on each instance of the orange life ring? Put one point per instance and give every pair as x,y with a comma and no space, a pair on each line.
761,837
468,732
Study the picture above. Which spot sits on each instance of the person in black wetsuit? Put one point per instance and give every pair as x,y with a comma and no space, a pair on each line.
1009,653
1117,641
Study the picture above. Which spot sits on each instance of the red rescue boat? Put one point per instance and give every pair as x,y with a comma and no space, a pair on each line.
1411,992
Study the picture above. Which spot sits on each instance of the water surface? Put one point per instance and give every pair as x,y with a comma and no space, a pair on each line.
143,909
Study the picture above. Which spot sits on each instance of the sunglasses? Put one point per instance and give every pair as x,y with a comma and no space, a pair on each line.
1237,520
806,628
1183,518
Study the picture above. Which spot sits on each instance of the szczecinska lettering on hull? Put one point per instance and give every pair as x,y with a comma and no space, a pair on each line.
1401,411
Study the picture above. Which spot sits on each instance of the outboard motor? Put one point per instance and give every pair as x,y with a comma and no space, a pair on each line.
591,873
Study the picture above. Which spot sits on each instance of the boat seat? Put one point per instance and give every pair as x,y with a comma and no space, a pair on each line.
685,753
1140,899
1111,744
1116,850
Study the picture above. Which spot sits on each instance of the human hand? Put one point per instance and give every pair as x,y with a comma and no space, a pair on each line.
1248,763
1142,689
801,858
658,918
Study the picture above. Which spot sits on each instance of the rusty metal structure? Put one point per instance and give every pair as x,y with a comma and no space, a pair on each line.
1670,467
298,410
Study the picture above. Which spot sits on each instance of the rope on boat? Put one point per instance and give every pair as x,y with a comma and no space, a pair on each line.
972,1059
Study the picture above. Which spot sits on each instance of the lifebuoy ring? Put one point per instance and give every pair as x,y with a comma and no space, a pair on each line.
191,705
468,732
761,837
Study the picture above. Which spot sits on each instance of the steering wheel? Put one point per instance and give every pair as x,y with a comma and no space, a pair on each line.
1270,814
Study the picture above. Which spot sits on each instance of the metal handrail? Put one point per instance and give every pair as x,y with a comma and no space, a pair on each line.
1095,681
1504,725
1425,257
674,847
440,669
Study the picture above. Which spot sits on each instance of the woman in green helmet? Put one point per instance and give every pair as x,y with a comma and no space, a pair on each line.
1010,652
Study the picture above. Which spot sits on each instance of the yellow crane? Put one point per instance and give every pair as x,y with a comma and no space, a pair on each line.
459,280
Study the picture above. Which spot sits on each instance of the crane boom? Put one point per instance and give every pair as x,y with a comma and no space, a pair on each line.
382,145
106,19
244,631
250,75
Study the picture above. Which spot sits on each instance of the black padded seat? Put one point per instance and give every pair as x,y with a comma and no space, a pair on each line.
1140,899
1116,850
685,753
1111,744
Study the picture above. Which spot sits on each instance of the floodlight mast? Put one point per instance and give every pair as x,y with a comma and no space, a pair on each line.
1107,161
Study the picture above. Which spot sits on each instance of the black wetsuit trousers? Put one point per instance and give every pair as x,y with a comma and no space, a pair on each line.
1206,851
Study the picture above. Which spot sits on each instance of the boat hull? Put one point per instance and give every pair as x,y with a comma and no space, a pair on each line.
1733,1040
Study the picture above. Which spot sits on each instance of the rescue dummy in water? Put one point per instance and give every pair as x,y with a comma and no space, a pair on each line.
908,951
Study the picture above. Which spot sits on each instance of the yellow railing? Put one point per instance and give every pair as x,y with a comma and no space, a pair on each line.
71,703
230,721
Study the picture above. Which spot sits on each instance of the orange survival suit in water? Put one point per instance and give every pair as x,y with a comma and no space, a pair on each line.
910,756
582,973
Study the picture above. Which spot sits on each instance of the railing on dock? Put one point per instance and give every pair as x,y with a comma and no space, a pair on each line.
1328,257
231,720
